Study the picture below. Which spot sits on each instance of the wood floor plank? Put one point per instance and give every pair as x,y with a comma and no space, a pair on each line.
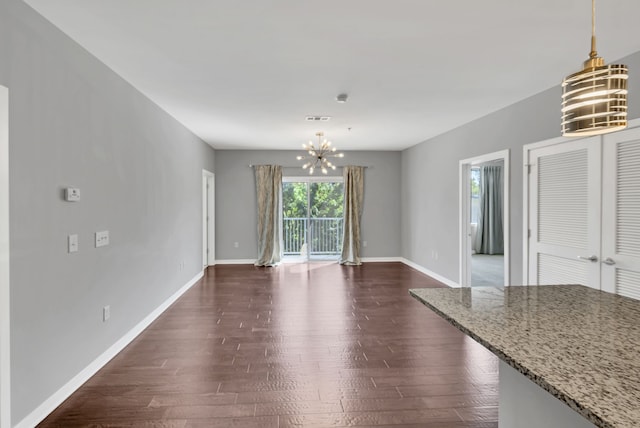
312,345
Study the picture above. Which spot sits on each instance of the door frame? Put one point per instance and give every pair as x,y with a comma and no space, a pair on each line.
5,289
465,212
311,179
208,219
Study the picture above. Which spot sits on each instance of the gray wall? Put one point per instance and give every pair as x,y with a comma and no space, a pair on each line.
236,199
73,122
430,175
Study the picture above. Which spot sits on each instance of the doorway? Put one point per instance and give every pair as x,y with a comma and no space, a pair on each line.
208,219
5,306
312,216
484,220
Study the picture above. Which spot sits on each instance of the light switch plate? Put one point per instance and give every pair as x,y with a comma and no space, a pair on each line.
102,238
72,243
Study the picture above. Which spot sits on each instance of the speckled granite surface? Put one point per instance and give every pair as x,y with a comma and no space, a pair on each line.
580,344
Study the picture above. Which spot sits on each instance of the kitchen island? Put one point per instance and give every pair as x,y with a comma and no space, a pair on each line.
570,355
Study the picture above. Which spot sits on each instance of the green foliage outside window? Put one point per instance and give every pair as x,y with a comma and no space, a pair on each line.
326,200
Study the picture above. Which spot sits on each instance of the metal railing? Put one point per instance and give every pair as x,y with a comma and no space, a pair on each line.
325,236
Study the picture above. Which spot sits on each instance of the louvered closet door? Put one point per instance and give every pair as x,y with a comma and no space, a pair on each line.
621,213
564,203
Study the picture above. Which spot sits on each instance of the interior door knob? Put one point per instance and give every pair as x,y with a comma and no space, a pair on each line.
609,261
590,258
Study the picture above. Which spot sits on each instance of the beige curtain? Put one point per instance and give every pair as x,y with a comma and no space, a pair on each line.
353,199
269,193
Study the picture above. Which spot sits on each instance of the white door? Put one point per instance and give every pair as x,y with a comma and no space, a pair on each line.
621,213
564,217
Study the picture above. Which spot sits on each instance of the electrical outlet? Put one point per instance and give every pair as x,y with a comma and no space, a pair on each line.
106,313
102,238
236,244
364,243
72,194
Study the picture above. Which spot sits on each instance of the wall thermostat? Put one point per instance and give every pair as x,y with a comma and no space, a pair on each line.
72,194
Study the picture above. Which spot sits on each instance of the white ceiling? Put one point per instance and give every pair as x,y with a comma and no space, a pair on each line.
244,74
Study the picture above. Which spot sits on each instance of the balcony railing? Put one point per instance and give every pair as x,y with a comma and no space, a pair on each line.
325,236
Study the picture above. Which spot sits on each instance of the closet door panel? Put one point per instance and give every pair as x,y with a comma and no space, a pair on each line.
564,243
621,213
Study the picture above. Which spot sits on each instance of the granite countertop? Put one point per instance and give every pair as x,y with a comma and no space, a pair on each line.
579,344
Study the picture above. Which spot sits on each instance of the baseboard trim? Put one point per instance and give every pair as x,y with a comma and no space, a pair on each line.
381,259
432,274
235,262
50,404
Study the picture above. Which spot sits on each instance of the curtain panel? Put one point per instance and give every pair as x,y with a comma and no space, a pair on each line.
490,232
353,200
269,198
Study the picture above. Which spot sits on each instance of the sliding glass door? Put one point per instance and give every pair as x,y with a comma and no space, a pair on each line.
312,217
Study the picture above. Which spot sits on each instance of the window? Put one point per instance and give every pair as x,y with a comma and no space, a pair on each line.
475,194
312,216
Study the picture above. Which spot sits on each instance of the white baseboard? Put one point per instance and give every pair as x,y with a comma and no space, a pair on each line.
432,274
381,259
235,262
49,405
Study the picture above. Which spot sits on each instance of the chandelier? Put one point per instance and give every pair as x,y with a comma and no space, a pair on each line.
594,100
317,157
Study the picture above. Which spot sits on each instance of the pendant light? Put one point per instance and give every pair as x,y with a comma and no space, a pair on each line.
317,157
594,100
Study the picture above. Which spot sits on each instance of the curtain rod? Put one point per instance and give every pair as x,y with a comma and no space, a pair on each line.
251,165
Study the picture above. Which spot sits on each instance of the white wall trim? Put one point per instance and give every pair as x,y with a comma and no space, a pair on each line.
464,243
5,290
78,380
381,259
432,274
208,225
487,157
235,261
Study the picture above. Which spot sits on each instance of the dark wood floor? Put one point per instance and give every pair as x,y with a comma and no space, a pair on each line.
312,345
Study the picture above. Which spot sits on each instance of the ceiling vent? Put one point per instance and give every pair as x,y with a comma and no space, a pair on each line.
318,118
